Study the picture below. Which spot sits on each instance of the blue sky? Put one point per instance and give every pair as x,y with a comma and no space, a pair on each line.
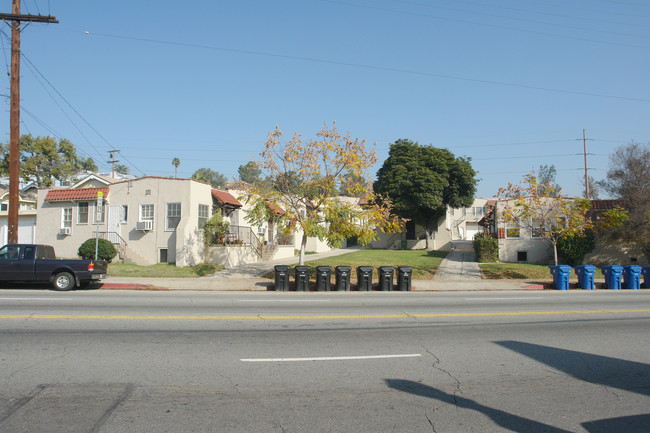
509,83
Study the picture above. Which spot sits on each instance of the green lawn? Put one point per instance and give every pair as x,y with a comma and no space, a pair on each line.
161,270
524,271
424,263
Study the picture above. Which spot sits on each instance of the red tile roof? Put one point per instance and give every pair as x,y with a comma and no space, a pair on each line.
605,204
75,194
225,198
275,209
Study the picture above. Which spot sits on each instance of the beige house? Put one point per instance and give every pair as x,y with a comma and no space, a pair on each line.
157,220
149,219
457,224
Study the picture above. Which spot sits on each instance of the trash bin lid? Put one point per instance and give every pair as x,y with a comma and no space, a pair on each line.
386,269
302,268
323,268
405,268
344,268
282,268
365,268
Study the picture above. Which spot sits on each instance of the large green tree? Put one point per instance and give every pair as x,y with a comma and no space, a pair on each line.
628,180
423,180
43,159
249,173
212,177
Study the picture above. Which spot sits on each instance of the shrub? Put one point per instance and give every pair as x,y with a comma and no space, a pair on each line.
105,250
573,249
215,229
486,248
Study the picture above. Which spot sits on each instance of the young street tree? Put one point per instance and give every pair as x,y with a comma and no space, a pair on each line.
43,159
422,180
544,211
302,178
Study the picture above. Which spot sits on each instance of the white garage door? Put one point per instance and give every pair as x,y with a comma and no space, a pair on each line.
471,230
26,230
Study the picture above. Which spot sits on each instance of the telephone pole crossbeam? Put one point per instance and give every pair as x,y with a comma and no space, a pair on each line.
14,118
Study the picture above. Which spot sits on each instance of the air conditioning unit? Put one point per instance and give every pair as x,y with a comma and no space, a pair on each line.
144,225
67,231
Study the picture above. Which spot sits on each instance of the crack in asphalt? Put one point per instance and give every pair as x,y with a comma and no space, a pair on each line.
435,366
433,427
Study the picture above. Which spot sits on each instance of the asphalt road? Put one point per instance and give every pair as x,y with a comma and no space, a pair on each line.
126,361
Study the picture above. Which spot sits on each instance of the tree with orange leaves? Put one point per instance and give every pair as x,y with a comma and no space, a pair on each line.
302,178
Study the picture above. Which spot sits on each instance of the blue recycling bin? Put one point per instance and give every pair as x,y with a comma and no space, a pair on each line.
632,277
612,276
645,271
585,276
561,275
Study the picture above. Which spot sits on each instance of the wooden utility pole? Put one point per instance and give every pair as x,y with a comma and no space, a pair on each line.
113,161
584,143
14,119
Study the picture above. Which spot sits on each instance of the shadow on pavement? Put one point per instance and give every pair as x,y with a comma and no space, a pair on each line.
602,370
504,419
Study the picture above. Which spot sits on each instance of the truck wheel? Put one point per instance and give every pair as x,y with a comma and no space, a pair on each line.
63,281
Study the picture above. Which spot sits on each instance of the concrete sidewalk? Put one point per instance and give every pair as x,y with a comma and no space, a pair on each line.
457,272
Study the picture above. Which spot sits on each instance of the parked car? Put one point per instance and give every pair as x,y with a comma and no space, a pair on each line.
38,264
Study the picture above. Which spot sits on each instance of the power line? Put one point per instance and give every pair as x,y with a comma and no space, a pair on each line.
369,67
475,23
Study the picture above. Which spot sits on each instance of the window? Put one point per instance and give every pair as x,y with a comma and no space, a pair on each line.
512,230
522,256
173,216
99,218
163,255
28,253
4,206
66,218
82,212
536,230
204,214
478,211
124,214
146,212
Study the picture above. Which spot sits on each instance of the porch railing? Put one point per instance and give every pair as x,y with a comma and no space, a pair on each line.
244,235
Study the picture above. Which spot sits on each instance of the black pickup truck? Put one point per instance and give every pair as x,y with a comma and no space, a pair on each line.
37,263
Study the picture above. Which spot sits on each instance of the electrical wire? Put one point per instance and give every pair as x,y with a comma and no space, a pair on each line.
476,23
369,67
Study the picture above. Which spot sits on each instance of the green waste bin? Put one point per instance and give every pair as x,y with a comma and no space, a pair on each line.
301,278
386,274
404,278
364,278
342,281
282,278
323,278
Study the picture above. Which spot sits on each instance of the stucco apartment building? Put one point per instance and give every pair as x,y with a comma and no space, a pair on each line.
156,220
150,219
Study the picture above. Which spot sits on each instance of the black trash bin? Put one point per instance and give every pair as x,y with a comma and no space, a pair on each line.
386,278
323,278
404,278
302,278
282,278
364,278
343,277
